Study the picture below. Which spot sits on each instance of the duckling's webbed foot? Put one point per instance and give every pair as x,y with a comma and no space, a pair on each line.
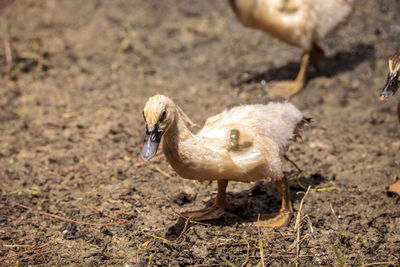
287,89
283,217
215,211
276,219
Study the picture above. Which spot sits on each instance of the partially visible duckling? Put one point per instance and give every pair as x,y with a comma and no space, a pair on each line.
300,23
393,80
390,88
244,143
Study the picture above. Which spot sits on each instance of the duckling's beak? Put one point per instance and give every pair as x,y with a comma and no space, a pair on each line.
150,144
391,87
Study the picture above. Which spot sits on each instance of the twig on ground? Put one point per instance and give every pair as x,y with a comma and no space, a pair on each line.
260,243
185,228
271,261
298,224
70,220
228,262
188,220
161,171
23,252
299,171
29,257
109,216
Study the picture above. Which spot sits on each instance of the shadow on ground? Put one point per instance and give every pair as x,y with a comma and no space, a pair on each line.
340,62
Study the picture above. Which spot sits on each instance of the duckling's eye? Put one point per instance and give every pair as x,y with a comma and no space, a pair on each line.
163,116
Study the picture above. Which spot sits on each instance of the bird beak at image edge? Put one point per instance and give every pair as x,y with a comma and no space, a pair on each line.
391,87
150,144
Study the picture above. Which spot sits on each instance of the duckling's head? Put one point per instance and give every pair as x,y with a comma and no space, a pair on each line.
158,114
393,80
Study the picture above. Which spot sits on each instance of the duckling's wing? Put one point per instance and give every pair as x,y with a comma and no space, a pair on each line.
328,14
273,123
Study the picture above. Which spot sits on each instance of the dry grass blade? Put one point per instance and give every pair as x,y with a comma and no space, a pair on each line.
386,263
161,171
260,243
247,255
297,226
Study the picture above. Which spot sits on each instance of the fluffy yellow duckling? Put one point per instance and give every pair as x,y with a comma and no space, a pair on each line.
244,143
300,23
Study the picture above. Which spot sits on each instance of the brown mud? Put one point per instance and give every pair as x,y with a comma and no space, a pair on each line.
71,126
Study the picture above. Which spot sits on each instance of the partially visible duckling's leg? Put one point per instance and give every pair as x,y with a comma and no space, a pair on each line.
287,89
281,218
215,211
317,53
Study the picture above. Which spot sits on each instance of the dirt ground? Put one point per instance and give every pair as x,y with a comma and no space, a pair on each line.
71,125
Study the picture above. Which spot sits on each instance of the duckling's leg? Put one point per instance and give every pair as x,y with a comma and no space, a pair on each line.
281,218
287,89
215,211
317,53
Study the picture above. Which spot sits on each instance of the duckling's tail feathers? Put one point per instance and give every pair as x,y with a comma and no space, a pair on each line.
305,122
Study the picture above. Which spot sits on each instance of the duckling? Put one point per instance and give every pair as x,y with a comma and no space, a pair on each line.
300,23
393,80
245,143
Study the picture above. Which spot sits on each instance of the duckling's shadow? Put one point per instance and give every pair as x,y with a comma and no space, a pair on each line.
331,66
262,198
